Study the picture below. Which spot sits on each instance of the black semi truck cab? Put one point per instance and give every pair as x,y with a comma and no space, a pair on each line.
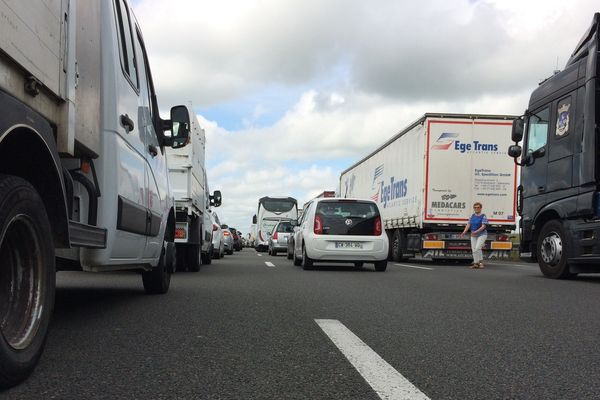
559,197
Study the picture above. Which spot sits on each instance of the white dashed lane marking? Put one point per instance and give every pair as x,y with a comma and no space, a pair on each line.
270,264
414,266
381,376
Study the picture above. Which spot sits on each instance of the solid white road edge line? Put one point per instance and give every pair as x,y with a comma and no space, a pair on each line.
381,376
413,266
269,264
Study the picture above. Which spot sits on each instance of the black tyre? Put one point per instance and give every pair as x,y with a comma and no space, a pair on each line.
290,255
396,246
269,251
27,279
552,251
307,262
194,258
380,266
358,264
274,252
206,259
158,280
297,261
181,257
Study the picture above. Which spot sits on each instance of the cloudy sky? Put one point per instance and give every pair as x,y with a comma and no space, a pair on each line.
292,92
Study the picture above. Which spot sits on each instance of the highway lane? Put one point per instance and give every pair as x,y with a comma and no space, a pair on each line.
243,329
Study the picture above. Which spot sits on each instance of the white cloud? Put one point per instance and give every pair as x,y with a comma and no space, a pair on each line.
363,71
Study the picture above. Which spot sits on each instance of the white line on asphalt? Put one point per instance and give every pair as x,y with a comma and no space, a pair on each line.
414,266
383,378
260,255
269,264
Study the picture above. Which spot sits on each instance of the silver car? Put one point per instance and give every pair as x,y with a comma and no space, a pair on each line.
227,239
278,238
218,243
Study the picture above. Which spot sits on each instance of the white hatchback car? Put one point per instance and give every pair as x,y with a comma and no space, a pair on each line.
340,230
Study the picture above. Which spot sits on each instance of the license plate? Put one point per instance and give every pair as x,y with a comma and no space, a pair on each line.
348,245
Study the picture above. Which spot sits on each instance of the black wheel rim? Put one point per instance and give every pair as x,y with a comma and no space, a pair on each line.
22,282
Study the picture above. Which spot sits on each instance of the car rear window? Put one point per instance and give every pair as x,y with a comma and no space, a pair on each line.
347,217
285,227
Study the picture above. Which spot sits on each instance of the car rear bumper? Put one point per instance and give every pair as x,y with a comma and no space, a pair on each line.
325,248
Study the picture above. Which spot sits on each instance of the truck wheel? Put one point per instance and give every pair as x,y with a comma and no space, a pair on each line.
27,279
158,280
552,251
195,258
380,266
396,246
181,256
307,263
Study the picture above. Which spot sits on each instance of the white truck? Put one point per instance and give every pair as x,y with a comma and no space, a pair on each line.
426,178
187,173
84,183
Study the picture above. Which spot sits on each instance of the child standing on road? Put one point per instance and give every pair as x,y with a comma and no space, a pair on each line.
477,224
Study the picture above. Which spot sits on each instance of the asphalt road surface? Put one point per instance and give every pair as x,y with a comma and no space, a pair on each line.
252,326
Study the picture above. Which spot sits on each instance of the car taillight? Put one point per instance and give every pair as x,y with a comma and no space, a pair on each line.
377,226
226,233
275,235
503,238
431,236
318,225
215,227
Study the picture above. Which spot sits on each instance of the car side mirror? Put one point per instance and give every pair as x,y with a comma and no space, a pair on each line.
216,198
517,130
179,125
254,219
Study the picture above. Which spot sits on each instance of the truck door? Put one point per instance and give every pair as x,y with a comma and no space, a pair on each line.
131,174
535,171
560,155
157,193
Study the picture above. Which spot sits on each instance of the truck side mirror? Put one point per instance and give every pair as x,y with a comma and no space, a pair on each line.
254,219
180,127
515,151
541,152
216,198
517,130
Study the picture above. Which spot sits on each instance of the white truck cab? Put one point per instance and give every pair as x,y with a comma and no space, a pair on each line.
84,181
194,228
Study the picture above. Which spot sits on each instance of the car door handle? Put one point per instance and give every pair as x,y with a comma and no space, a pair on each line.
127,123
541,189
152,150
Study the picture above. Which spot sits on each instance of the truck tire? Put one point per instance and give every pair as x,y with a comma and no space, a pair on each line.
307,262
158,280
195,258
552,251
380,266
396,245
27,279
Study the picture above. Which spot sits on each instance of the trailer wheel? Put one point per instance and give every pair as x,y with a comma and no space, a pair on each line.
398,240
27,279
552,251
158,280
